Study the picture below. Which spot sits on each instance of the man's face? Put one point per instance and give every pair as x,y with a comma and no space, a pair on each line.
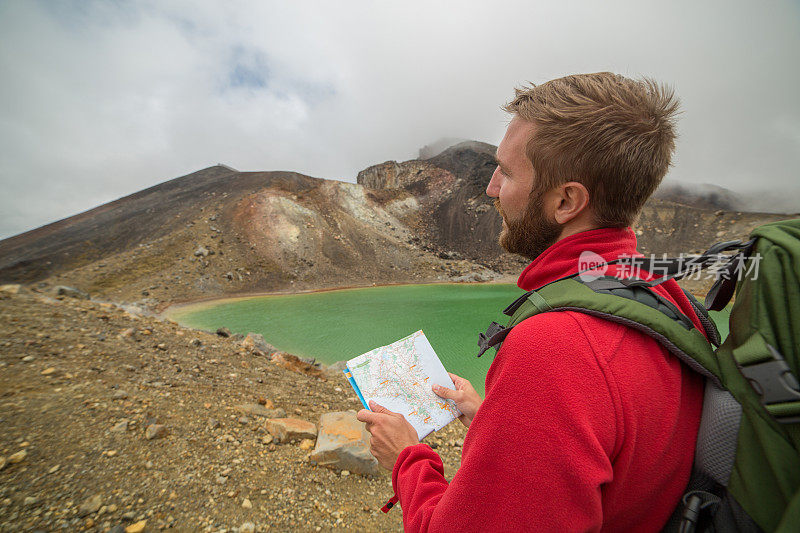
527,230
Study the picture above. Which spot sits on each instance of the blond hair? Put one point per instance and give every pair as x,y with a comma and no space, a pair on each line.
613,134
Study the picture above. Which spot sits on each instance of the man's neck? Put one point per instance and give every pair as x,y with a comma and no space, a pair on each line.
576,226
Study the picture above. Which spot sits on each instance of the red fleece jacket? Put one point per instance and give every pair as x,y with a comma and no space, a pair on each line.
587,425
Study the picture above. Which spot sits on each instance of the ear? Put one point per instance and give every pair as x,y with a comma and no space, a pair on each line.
571,200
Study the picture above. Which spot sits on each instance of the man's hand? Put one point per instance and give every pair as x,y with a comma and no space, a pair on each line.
390,431
466,397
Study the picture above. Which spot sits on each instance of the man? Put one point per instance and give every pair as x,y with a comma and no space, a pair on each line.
587,424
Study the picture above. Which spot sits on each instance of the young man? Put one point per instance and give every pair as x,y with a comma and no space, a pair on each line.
587,424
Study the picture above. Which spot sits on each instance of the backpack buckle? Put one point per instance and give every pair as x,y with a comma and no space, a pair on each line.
774,381
495,334
695,504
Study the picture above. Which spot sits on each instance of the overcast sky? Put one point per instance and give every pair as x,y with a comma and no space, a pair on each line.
101,99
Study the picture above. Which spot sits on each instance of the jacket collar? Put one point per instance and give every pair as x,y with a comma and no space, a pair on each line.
562,258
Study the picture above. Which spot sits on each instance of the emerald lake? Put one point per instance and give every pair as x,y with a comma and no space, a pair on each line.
341,324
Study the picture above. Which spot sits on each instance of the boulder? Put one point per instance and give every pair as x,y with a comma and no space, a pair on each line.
255,341
71,292
13,288
286,429
138,527
295,364
255,409
202,251
18,457
155,431
223,332
90,505
311,361
343,444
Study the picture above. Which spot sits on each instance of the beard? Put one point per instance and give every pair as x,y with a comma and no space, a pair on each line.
532,234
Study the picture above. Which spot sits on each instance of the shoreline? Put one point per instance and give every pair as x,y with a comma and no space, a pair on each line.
173,308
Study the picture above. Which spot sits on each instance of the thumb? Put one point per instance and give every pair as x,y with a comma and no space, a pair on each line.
376,408
365,415
444,392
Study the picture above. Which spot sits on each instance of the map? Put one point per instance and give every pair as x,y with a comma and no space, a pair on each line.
399,377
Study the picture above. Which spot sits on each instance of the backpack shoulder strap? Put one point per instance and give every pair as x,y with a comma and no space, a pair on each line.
712,333
623,301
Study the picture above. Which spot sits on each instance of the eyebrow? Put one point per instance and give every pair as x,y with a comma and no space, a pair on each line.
500,164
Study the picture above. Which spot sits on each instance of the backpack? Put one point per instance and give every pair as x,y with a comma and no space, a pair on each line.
746,471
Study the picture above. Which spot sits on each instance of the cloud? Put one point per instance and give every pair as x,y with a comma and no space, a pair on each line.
101,99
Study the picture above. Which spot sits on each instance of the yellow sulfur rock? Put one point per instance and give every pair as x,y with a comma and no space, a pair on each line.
138,527
17,457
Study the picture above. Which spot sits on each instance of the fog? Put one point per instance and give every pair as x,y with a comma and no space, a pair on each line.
102,99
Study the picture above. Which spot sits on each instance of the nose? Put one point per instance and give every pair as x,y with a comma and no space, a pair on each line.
493,188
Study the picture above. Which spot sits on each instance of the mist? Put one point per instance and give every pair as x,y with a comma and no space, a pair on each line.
100,100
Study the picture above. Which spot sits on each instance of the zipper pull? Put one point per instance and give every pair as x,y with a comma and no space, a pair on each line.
388,507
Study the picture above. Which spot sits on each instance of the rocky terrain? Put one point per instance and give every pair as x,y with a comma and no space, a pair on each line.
84,384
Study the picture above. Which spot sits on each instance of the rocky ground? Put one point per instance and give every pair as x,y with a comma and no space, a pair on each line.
112,420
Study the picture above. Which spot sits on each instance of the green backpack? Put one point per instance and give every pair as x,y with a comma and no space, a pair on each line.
746,473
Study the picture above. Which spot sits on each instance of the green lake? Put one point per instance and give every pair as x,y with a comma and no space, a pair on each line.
341,324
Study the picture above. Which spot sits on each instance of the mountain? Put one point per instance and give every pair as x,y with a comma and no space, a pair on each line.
451,186
702,195
220,232
437,147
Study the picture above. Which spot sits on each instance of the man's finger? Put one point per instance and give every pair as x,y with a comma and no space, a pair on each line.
366,416
455,378
444,392
377,408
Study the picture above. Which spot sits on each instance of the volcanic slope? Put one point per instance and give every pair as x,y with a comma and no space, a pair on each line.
218,232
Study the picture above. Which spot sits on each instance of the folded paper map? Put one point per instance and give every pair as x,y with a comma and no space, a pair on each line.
399,377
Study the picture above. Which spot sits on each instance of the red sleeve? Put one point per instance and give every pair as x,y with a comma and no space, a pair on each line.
539,449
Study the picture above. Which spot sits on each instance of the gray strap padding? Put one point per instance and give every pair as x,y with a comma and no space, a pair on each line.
716,438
